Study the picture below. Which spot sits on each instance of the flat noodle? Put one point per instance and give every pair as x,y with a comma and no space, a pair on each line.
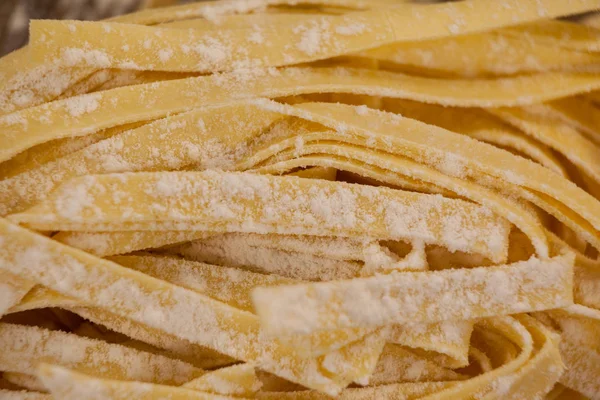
391,191
216,319
227,49
88,84
448,157
562,33
400,365
27,84
12,290
29,382
328,174
220,203
407,297
450,339
104,244
294,265
215,281
71,385
581,152
579,323
121,153
478,125
387,169
91,112
494,53
332,247
212,280
23,395
199,356
49,151
579,113
110,360
238,380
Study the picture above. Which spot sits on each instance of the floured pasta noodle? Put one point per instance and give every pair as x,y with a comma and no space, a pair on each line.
281,199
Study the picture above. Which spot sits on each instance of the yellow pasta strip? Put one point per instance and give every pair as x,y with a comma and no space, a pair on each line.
233,48
89,113
201,357
561,33
215,11
409,296
451,339
331,247
104,244
581,355
578,325
316,173
493,53
536,376
28,382
218,283
580,151
237,380
23,395
381,259
582,368
157,304
89,84
361,161
45,82
71,163
36,84
236,252
202,137
400,365
542,360
243,20
212,280
367,173
397,390
27,84
12,289
481,358
220,199
49,151
70,385
587,281
86,355
123,78
478,125
457,155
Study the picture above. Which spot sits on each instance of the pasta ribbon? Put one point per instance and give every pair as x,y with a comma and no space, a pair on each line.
223,198
235,48
406,297
217,319
12,289
303,200
67,384
86,355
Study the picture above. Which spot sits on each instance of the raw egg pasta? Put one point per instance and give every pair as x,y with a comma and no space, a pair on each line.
278,199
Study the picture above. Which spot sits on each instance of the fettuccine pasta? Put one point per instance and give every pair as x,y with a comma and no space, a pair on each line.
277,199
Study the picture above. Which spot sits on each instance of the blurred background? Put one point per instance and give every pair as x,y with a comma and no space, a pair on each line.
15,14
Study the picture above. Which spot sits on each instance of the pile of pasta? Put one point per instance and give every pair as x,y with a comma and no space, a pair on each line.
300,199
